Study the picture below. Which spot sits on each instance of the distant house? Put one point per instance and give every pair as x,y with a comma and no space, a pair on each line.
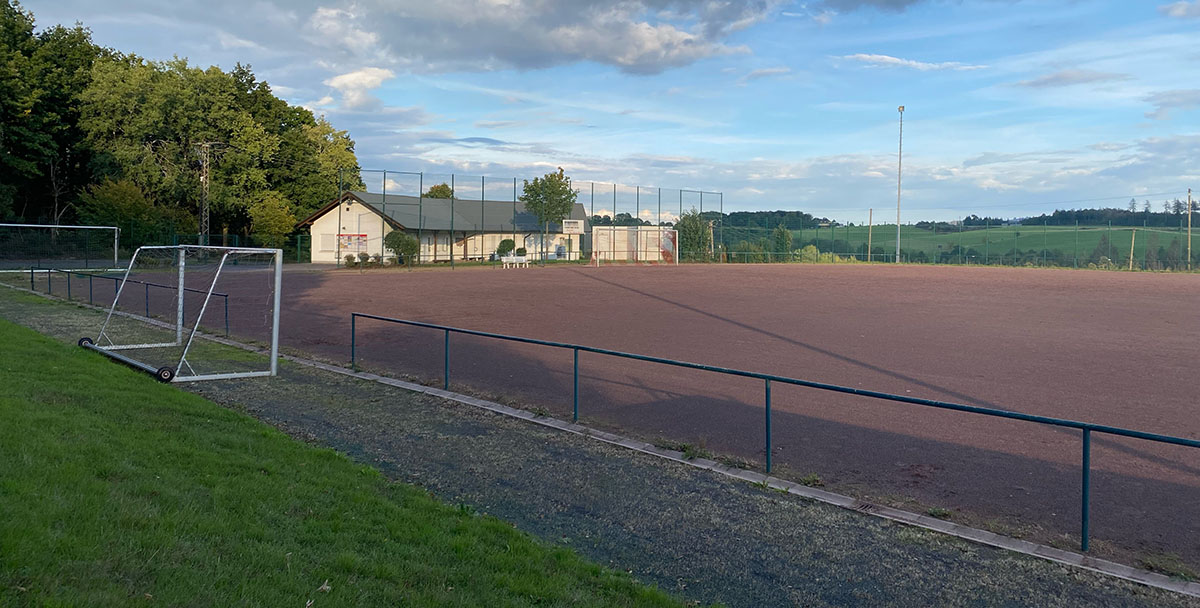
356,222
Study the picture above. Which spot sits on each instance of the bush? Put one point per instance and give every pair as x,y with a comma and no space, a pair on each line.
505,247
363,258
809,254
351,261
377,260
519,251
404,246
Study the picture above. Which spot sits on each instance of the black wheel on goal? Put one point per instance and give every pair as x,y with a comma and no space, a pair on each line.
85,341
164,374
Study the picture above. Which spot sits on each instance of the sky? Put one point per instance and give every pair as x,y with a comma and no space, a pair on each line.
1012,107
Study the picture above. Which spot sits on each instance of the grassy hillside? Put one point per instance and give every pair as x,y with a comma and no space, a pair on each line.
1063,245
116,490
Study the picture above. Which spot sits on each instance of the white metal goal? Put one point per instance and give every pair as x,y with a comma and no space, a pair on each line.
158,334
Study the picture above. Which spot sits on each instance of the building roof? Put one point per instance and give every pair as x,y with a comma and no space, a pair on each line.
411,213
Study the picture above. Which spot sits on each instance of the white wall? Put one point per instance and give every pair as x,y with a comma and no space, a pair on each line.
355,219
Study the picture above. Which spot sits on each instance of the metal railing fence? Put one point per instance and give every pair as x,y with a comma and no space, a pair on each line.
1086,428
50,272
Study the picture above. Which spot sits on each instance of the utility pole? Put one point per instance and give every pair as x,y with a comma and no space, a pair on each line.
899,172
204,193
205,149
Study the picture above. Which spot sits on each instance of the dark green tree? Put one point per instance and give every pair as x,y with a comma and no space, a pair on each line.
781,239
442,190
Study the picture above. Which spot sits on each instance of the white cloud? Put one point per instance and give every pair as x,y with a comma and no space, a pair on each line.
887,61
763,73
229,41
1065,78
1182,99
355,86
1181,9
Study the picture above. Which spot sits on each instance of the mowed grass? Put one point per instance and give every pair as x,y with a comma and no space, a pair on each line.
118,490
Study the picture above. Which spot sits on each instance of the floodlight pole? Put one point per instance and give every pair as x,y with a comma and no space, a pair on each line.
899,172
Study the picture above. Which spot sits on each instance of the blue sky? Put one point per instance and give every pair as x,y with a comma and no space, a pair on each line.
1011,107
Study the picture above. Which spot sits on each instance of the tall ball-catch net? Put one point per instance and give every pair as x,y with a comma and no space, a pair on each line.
171,298
54,246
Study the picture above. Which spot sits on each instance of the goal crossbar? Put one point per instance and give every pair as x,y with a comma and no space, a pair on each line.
183,371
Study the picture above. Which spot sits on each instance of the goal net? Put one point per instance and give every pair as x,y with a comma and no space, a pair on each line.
171,298
645,244
54,246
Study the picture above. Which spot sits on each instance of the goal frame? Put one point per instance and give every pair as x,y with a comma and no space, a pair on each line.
599,254
173,374
116,234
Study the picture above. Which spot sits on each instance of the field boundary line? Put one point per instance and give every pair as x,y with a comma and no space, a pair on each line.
984,537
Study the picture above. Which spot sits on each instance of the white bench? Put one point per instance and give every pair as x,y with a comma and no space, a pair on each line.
514,261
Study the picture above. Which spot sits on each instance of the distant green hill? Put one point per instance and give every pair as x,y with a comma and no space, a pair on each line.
1153,248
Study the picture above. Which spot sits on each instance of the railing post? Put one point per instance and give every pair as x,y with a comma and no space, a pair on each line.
575,405
446,367
49,282
89,289
353,362
1087,483
31,278
147,286
226,316
768,391
68,285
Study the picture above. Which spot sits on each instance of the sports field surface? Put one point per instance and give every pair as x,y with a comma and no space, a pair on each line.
1108,348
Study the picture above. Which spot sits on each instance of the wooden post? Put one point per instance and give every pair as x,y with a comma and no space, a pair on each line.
1132,238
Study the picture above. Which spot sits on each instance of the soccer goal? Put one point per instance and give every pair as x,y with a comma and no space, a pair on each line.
59,246
638,244
169,295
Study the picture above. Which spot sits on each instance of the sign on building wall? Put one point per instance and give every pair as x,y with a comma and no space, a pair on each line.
352,243
572,226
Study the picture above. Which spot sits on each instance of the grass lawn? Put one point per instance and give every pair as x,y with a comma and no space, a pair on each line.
118,490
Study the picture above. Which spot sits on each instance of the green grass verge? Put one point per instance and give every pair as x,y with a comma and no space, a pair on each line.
117,490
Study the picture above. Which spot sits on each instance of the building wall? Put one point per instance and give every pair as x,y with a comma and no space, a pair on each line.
435,245
354,219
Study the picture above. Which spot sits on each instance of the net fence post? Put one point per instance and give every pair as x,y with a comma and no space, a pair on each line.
446,362
575,374
1087,482
353,333
767,384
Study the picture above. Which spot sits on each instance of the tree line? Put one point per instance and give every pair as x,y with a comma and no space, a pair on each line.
92,135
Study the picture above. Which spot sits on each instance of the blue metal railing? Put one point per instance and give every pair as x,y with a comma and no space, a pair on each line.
116,281
1086,427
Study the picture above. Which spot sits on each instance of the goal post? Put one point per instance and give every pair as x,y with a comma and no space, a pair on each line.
59,246
159,336
635,244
